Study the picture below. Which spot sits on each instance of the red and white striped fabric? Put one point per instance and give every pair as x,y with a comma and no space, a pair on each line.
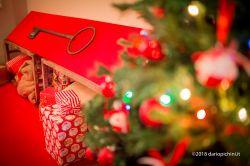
68,101
14,64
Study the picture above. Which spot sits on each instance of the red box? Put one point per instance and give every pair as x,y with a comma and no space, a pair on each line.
64,135
54,48
47,97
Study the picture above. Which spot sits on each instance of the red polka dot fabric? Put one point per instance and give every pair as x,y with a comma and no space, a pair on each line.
64,135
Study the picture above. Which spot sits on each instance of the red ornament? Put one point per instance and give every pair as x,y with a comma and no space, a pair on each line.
153,51
105,157
143,45
89,154
118,120
216,66
145,110
108,89
157,11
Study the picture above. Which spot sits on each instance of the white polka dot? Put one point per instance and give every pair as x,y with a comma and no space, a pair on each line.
46,114
49,125
50,148
52,142
66,126
48,135
79,138
47,108
44,119
63,152
55,112
70,117
70,158
61,136
84,128
54,133
54,118
55,106
59,120
44,125
78,121
73,131
81,153
75,147
42,110
56,127
68,142
58,144
47,122
56,150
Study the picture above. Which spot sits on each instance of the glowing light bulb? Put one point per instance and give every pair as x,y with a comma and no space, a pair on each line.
165,100
201,114
242,114
127,107
193,10
96,127
128,96
185,94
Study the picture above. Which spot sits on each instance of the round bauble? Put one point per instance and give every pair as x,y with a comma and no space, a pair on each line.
215,67
146,109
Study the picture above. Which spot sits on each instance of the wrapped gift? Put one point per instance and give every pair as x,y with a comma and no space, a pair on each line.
47,97
64,135
60,81
68,101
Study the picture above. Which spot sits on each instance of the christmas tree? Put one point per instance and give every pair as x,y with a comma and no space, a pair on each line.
182,94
